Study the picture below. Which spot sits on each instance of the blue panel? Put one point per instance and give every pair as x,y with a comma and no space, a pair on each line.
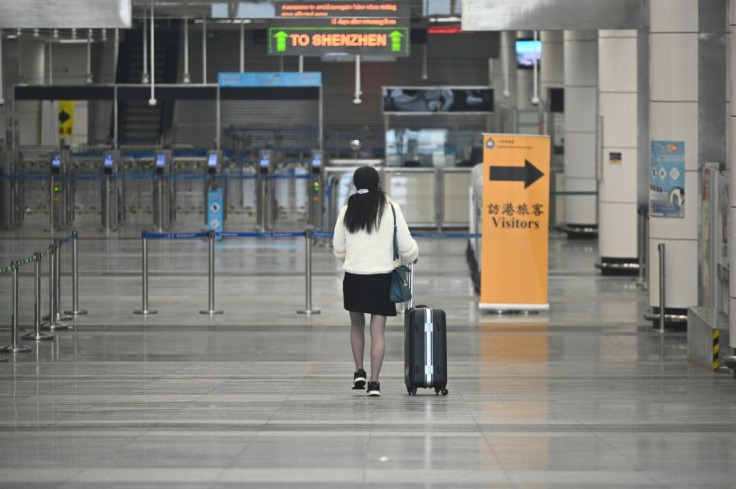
270,79
215,214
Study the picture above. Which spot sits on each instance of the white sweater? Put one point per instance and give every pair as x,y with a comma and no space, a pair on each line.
365,254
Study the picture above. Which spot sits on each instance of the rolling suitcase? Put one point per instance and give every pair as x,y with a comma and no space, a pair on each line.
425,348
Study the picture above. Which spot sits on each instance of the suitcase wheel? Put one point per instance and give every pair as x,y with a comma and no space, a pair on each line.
412,391
442,390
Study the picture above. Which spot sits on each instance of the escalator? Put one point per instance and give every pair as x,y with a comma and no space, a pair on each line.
138,122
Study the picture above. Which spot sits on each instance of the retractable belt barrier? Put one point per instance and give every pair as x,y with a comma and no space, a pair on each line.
325,234
309,234
211,237
54,294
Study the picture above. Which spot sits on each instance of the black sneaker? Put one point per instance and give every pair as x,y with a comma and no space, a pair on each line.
374,389
359,380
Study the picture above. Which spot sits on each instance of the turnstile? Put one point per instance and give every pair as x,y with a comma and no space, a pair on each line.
11,192
61,191
164,191
266,199
112,191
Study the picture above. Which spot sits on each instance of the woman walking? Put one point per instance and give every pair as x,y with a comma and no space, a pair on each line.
363,240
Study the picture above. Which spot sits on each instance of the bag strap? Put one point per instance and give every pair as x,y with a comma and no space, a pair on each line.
396,241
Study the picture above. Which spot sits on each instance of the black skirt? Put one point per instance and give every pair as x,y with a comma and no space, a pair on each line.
368,294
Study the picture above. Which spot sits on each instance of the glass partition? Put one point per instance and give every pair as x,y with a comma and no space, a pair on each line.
433,147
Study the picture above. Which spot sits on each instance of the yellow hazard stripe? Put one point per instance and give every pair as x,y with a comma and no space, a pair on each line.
716,349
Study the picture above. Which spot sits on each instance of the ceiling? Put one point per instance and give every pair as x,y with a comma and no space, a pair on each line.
42,17
203,8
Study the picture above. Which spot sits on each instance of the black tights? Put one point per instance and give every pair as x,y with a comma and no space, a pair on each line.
378,341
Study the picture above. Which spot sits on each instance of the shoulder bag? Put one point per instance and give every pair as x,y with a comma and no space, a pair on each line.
400,289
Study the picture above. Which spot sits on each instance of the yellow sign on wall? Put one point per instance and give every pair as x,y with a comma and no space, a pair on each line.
514,251
66,118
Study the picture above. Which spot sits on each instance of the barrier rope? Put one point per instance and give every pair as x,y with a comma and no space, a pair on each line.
48,252
172,235
571,192
446,235
325,234
291,177
19,263
66,240
261,235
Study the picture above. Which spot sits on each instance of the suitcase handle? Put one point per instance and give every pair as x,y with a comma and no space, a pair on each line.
410,302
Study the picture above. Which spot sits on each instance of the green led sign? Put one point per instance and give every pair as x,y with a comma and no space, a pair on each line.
317,41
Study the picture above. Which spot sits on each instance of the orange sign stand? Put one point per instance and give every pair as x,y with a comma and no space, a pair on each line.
515,243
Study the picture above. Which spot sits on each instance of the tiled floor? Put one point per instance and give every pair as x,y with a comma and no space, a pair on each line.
586,396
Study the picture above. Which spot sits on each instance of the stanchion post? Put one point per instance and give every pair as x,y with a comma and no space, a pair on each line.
643,245
60,315
144,273
662,275
37,335
211,273
308,309
51,204
52,292
14,347
75,279
53,323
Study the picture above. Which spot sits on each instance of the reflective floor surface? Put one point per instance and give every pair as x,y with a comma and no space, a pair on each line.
585,396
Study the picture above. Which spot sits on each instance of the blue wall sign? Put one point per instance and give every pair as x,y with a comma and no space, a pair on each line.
270,79
667,183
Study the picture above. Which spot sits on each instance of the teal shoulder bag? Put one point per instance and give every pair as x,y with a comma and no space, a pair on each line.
400,288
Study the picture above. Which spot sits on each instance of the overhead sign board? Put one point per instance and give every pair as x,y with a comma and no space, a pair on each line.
330,10
514,252
524,15
311,41
87,14
270,79
431,100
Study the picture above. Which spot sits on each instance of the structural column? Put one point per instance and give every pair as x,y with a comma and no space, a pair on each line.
528,112
551,69
552,75
617,188
673,117
731,137
581,111
505,85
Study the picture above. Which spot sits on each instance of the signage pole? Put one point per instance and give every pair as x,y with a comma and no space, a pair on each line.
217,119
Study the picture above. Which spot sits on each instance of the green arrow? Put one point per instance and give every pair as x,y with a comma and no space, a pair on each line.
281,38
396,37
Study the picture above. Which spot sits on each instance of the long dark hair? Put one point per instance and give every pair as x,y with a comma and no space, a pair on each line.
365,208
